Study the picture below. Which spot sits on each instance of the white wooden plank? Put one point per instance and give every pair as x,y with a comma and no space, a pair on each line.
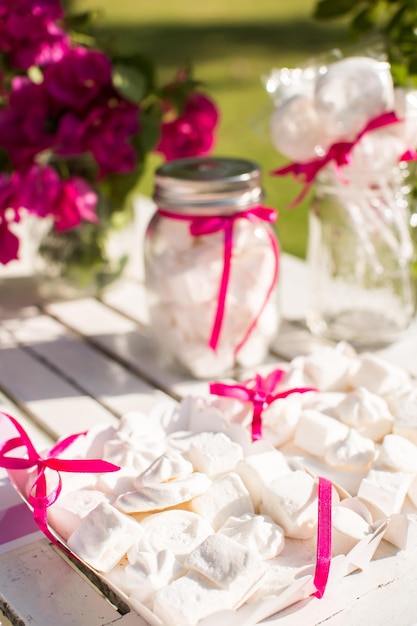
44,590
128,297
103,378
122,338
59,407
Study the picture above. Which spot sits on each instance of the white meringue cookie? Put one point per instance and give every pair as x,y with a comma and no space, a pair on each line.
149,572
159,496
366,412
355,451
398,454
168,466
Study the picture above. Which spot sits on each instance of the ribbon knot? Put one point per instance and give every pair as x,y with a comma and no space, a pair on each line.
258,390
340,153
207,225
38,495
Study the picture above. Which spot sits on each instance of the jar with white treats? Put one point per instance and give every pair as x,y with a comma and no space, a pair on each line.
212,266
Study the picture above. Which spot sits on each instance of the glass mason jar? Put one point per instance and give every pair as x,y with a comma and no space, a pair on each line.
360,254
211,266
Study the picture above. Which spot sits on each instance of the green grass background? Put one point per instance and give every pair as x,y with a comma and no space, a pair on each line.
231,45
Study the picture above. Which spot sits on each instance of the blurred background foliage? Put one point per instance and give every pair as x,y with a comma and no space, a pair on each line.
230,46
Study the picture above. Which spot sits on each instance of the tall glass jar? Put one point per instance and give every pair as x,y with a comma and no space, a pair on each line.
360,254
211,266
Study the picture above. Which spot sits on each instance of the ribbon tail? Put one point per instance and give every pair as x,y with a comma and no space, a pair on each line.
221,301
257,421
275,249
324,537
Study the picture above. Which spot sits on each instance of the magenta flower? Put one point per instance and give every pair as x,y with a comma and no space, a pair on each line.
42,192
76,202
9,243
67,134
191,133
105,131
36,190
81,77
109,130
24,123
29,33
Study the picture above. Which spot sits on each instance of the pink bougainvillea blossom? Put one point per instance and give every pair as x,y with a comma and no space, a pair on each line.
76,202
23,123
9,242
104,130
42,192
79,79
192,132
30,34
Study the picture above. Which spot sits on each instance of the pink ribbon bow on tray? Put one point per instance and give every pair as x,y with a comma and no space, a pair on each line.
259,391
340,153
40,499
208,225
38,496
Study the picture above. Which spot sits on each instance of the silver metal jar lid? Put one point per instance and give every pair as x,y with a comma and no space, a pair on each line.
209,184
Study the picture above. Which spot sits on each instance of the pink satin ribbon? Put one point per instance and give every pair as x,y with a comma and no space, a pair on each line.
340,153
208,225
257,390
324,537
38,496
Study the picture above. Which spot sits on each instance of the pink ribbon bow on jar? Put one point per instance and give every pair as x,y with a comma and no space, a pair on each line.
38,496
259,391
208,225
340,153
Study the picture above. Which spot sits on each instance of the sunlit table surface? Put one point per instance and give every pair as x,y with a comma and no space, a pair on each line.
65,366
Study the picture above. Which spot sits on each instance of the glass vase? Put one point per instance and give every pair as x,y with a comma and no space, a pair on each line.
361,255
85,260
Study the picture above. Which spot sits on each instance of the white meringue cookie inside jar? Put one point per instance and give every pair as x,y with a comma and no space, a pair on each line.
350,133
211,266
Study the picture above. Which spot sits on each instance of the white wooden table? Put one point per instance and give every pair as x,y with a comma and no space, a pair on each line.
67,366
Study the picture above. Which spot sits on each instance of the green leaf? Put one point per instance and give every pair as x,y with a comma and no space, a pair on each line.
150,128
364,21
130,83
412,65
329,9
399,73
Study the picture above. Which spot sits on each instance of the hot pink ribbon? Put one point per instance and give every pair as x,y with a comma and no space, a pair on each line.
38,496
208,225
257,390
340,153
324,537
